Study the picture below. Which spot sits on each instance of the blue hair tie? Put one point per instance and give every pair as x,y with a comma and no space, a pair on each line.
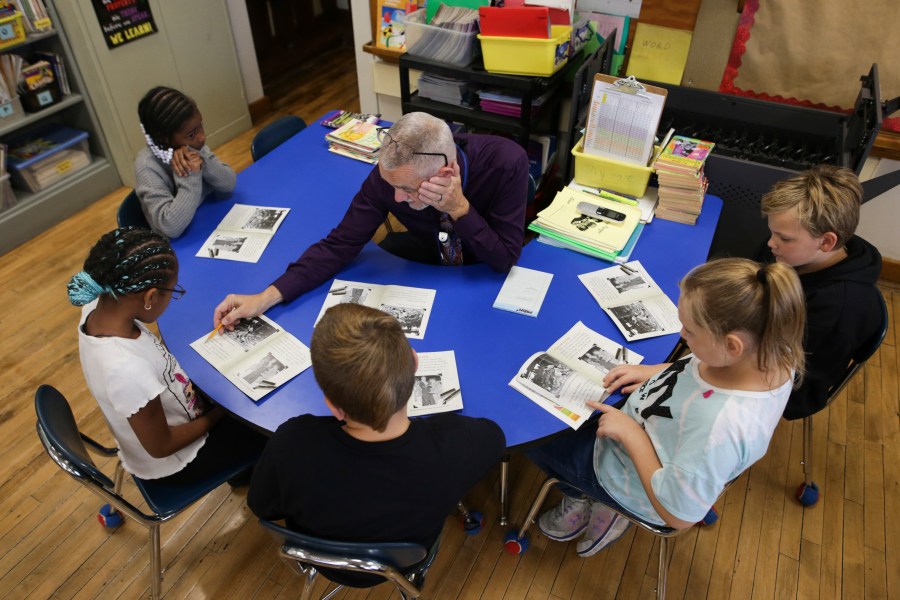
83,289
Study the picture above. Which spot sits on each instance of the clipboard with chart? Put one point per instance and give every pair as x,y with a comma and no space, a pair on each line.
623,117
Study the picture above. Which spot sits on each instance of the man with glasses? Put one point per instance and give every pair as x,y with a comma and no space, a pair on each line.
461,201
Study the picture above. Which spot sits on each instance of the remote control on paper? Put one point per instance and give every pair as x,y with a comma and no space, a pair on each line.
606,214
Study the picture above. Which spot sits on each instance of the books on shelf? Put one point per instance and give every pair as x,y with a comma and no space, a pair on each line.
570,373
448,90
35,15
682,183
509,104
356,139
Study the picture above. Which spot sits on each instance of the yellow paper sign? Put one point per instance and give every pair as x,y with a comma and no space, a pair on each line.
659,53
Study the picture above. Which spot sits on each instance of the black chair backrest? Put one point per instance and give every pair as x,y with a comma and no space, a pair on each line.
130,212
56,421
400,556
865,352
274,134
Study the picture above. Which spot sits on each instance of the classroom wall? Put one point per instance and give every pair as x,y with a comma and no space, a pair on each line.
880,216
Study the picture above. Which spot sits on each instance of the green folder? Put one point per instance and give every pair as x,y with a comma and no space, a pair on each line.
433,5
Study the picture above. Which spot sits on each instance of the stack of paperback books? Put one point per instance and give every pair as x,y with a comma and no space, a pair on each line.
682,184
589,224
356,139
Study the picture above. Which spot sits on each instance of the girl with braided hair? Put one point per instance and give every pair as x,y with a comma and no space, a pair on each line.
689,427
176,170
163,427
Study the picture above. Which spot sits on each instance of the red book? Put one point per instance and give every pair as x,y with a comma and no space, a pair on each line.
517,21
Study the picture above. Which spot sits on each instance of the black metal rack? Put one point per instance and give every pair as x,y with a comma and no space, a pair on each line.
530,87
759,143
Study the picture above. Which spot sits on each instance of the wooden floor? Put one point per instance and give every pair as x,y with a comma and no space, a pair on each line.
764,546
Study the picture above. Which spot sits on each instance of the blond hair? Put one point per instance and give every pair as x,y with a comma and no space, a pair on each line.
766,301
363,362
827,199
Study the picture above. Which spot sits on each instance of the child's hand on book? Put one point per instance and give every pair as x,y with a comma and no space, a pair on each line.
629,377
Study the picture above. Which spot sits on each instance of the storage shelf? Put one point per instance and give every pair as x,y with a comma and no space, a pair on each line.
31,38
29,118
528,86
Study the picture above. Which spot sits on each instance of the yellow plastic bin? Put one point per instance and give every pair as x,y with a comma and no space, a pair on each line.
527,56
12,31
610,174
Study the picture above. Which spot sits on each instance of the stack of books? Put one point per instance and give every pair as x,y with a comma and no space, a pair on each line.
356,139
682,184
448,90
590,224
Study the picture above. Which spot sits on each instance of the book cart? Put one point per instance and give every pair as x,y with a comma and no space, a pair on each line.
30,212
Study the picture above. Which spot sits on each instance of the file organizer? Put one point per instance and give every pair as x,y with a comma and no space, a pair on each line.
527,56
759,143
438,43
611,174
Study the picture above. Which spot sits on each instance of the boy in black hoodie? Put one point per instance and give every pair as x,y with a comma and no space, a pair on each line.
812,217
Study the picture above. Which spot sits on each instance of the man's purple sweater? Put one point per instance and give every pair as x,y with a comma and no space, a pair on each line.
495,182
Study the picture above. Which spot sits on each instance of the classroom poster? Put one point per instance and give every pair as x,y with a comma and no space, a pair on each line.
124,21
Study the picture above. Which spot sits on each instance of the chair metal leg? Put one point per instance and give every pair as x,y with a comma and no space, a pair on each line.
807,450
663,568
310,574
536,506
118,478
504,489
155,563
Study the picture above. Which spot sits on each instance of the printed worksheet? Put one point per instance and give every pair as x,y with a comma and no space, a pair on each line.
637,306
437,385
409,305
569,374
244,233
258,356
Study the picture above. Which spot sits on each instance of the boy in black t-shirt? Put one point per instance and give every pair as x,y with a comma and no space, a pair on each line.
369,473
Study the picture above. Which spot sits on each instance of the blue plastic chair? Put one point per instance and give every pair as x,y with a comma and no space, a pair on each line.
274,134
130,213
58,431
403,564
808,492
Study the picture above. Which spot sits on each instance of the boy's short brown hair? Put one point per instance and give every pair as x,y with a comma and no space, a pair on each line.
363,362
827,199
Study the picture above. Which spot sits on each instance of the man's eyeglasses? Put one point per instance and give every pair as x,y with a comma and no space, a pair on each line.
404,150
177,291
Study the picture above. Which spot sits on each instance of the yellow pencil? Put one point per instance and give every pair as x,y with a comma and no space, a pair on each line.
214,332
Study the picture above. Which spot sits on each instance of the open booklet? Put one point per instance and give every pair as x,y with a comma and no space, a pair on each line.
411,306
437,385
571,372
638,307
257,356
244,233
